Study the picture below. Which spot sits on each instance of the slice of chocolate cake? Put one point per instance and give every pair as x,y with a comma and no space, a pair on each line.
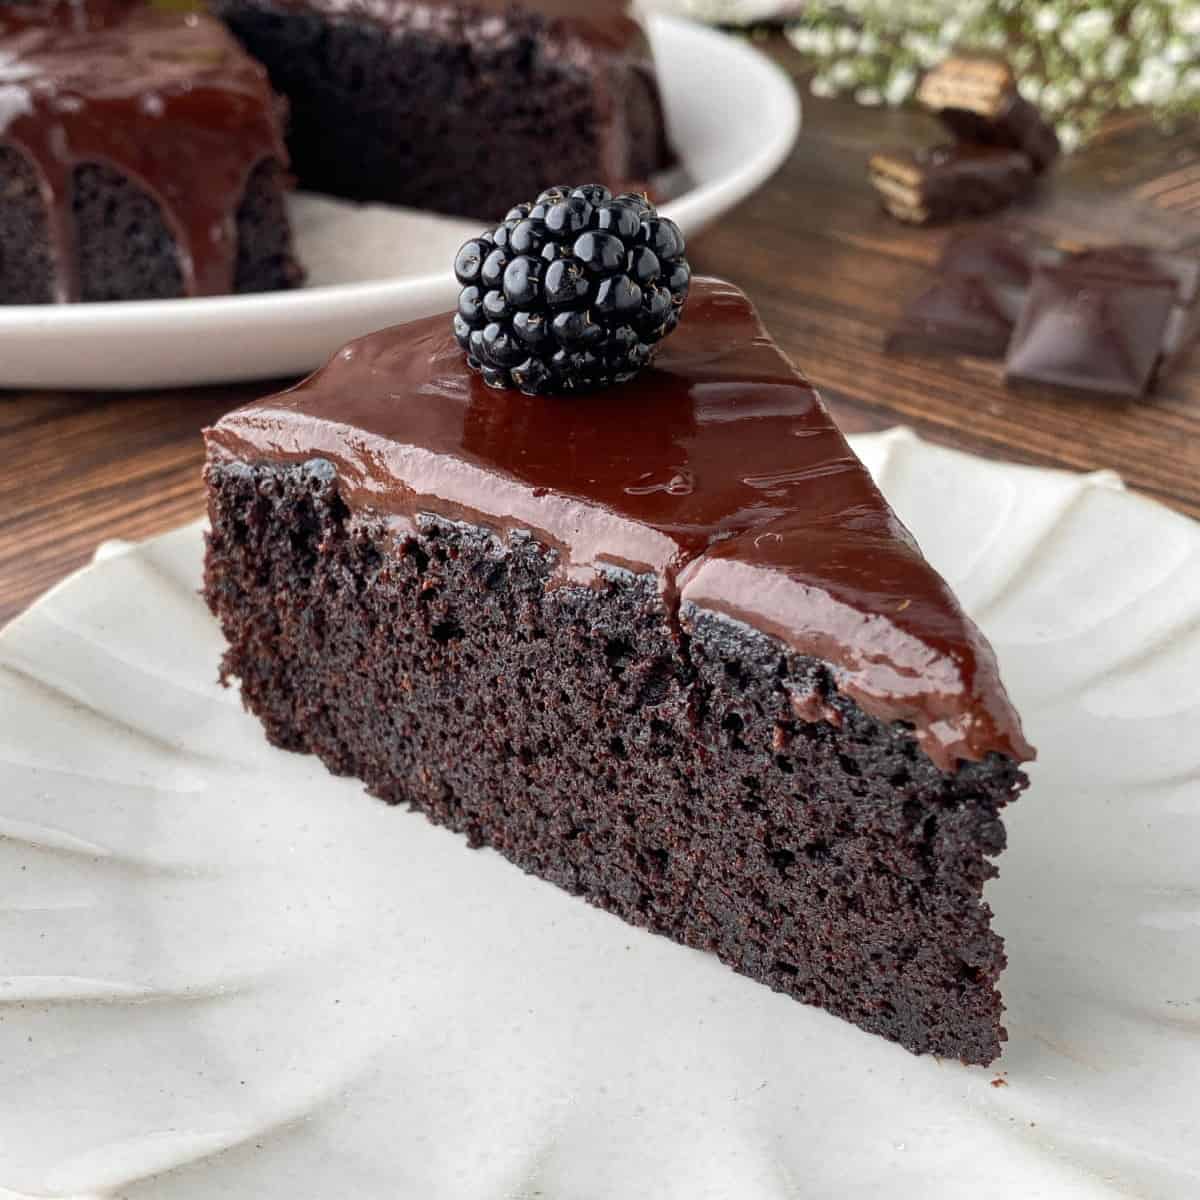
664,645
455,106
141,157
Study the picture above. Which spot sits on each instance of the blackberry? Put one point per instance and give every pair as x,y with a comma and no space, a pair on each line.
571,292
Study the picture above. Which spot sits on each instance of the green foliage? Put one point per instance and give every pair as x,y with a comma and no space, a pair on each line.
1078,61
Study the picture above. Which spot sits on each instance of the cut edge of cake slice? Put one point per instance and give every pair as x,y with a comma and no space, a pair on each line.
590,107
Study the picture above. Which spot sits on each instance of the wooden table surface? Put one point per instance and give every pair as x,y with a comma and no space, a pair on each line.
827,270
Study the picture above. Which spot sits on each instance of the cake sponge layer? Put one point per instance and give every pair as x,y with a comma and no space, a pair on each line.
680,769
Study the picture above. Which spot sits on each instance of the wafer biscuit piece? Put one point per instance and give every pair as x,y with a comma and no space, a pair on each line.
976,98
927,186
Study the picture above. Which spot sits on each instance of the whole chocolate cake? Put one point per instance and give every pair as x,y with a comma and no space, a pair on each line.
664,645
141,156
455,106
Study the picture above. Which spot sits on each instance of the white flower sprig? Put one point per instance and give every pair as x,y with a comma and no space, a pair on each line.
1078,60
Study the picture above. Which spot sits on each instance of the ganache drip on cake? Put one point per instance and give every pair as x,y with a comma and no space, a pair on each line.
122,93
718,469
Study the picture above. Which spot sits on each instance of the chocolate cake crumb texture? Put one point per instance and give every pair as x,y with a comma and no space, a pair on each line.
455,107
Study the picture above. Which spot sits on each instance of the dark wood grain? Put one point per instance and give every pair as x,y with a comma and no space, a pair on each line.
827,270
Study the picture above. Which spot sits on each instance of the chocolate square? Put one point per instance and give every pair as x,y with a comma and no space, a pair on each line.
1002,258
982,278
1182,268
958,314
982,289
1183,332
1092,328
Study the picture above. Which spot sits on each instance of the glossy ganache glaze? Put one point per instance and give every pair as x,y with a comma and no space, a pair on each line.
717,469
168,99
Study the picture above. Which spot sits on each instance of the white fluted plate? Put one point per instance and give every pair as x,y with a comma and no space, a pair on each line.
732,116
225,973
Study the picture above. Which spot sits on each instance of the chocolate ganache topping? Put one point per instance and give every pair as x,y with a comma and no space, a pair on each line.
717,469
167,99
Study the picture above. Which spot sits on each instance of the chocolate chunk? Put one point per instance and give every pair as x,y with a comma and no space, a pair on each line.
1183,332
1094,328
1002,259
976,98
983,288
982,279
958,314
1180,267
1139,261
926,186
